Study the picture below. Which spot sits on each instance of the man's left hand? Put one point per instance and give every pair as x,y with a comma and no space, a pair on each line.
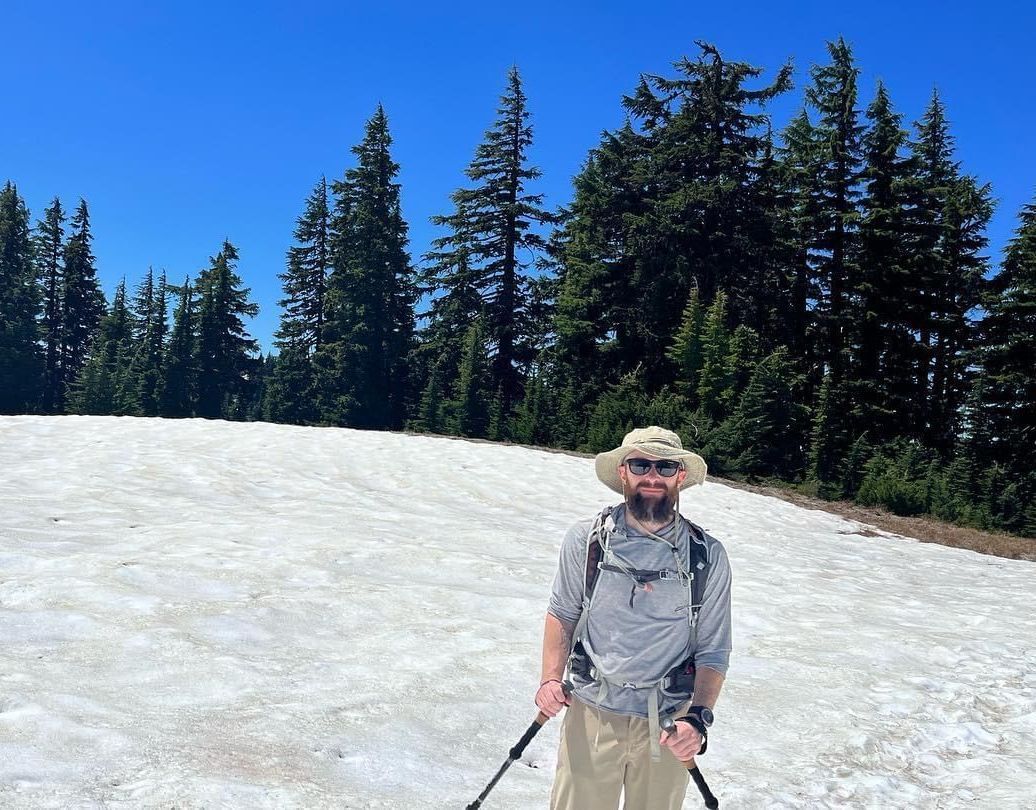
684,742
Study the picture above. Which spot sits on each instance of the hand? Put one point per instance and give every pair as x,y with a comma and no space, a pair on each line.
551,698
684,742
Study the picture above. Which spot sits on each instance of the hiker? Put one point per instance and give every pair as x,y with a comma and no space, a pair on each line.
640,614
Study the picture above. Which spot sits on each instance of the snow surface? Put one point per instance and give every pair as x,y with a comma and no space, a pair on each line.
202,614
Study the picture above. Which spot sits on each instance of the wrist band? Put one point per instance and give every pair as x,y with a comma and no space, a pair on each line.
549,680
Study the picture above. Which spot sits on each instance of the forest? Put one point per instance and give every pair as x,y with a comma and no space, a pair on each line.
813,307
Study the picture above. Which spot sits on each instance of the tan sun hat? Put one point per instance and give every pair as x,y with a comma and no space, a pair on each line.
651,441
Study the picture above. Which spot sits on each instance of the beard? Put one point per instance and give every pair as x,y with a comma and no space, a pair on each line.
653,509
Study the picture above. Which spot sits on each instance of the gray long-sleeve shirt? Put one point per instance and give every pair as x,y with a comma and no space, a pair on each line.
639,640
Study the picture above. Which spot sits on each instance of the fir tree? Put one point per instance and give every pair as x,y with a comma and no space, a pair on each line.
490,233
83,303
21,366
289,394
100,387
766,433
226,360
305,279
144,382
1002,416
879,393
714,380
829,437
364,370
833,94
179,369
50,238
686,350
471,402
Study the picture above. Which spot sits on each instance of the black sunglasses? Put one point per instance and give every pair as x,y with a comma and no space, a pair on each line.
664,467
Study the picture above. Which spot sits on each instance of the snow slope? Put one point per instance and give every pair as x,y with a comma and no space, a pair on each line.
203,614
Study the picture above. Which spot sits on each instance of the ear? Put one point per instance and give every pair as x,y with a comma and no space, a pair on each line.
622,474
681,476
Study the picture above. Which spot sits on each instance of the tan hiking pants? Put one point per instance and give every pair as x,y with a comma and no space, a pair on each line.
592,777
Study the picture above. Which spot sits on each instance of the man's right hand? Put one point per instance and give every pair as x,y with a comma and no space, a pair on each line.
551,698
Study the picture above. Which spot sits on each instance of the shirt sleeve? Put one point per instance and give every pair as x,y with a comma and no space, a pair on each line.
714,634
566,595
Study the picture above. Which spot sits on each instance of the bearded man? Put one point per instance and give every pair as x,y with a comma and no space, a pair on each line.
639,614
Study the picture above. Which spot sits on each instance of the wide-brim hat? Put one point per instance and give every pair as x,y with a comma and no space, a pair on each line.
651,441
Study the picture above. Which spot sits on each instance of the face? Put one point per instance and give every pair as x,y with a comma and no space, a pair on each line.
650,496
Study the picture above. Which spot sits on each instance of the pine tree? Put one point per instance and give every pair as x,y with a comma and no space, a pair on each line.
364,372
179,368
226,360
83,303
490,233
21,366
50,238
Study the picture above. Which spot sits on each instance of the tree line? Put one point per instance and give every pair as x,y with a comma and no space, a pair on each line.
814,305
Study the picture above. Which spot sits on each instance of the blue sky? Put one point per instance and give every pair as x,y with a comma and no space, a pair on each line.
184,124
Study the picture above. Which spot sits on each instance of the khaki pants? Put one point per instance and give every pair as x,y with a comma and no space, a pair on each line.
592,777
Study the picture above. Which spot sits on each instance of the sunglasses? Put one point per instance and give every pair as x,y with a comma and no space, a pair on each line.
664,467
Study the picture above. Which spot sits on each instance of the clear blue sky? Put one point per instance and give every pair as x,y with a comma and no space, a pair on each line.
188,124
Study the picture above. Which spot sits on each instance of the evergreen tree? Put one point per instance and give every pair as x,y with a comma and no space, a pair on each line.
879,390
289,393
801,200
100,387
1002,416
83,303
50,238
471,402
364,370
714,380
741,363
179,368
490,233
21,366
686,350
144,382
833,95
226,361
305,280
829,439
766,432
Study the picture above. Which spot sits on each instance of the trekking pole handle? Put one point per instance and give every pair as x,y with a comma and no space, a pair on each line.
668,725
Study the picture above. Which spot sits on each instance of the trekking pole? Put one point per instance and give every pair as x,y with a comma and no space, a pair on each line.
516,752
669,726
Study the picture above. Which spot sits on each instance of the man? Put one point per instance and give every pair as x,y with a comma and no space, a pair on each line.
636,636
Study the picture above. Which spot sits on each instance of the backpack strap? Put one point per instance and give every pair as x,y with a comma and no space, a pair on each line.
699,568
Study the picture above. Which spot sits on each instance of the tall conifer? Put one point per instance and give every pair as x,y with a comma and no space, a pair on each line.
83,303
227,354
21,366
491,235
50,241
362,368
